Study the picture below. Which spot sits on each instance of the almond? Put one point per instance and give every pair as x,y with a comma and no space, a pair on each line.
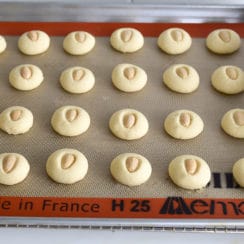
78,74
232,73
80,36
26,72
191,166
130,73
182,72
225,36
16,114
72,114
126,35
132,164
67,160
177,35
33,35
239,117
129,120
9,163
185,119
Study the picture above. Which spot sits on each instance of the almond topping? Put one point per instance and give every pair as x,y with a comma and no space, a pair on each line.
129,120
239,117
67,160
80,36
9,163
232,73
191,166
185,119
126,35
16,114
177,35
182,72
225,36
72,114
33,35
78,74
130,73
132,164
26,72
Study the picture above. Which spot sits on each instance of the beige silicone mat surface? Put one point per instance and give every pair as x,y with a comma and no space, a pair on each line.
155,101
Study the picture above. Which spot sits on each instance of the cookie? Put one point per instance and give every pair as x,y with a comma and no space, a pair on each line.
70,121
223,41
3,44
128,124
238,172
174,41
129,77
189,172
127,40
26,77
183,124
228,79
16,120
79,43
130,169
67,166
33,42
233,123
181,78
77,80
14,168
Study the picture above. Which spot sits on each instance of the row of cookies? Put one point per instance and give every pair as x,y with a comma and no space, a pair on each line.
127,40
126,77
68,166
126,124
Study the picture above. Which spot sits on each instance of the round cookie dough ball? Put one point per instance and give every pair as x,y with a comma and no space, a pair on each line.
233,123
14,168
78,43
129,77
189,172
3,44
70,121
130,169
181,78
26,77
223,41
128,124
77,80
33,42
238,172
228,79
67,166
127,40
183,124
174,41
16,120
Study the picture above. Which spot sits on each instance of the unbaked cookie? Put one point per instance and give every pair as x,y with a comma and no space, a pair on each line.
131,169
189,172
78,43
70,121
127,40
77,80
3,44
26,77
174,41
33,42
67,166
16,120
129,77
228,79
181,78
238,172
223,41
183,124
14,168
233,123
128,124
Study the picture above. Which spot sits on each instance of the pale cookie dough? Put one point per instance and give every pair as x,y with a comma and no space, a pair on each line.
223,41
14,168
78,43
129,77
233,123
238,172
181,78
16,120
189,172
130,169
26,77
70,121
3,44
228,79
174,41
33,42
77,80
183,124
128,124
67,166
127,40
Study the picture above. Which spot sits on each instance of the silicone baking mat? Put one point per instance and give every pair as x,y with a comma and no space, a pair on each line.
155,101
